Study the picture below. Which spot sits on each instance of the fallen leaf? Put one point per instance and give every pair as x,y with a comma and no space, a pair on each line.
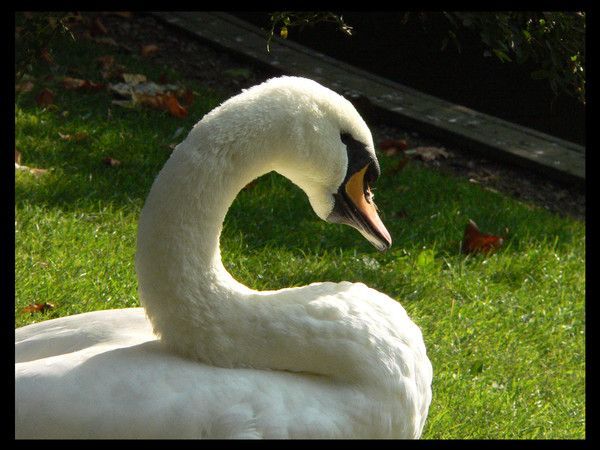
392,147
149,50
159,96
475,241
429,153
33,170
45,97
79,84
133,79
167,102
38,307
112,162
25,86
174,107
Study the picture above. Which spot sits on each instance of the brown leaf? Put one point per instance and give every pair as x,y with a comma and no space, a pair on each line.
167,102
79,84
429,153
475,241
17,157
174,107
392,147
45,97
112,162
149,50
25,86
38,307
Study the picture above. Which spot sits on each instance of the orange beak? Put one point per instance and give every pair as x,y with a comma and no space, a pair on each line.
354,206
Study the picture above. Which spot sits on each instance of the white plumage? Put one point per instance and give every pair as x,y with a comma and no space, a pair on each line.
324,360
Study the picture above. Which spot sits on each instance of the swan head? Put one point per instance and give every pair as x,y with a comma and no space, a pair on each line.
331,155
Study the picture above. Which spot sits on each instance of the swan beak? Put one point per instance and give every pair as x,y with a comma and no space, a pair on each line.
354,206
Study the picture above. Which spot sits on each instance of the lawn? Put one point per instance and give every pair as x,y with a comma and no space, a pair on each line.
505,332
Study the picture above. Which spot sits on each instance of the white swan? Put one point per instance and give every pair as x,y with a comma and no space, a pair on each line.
324,360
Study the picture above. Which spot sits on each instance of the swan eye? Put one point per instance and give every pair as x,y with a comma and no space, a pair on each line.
369,196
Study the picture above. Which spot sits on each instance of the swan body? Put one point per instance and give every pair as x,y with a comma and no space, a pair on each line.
208,357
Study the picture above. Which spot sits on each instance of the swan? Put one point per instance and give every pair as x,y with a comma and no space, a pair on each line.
207,357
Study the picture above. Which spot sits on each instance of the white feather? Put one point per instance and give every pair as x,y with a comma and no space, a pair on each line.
323,360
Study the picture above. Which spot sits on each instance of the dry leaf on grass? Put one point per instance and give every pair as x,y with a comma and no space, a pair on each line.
474,241
159,96
149,50
45,97
392,147
32,170
429,153
25,86
38,307
112,162
79,84
167,102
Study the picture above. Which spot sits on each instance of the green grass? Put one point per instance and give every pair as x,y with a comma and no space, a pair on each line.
505,332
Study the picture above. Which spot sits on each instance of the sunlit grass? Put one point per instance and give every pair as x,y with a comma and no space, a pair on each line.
505,332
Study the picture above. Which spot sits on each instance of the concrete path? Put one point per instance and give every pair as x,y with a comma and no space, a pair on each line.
381,99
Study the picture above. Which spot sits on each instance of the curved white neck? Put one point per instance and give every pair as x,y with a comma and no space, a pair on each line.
196,306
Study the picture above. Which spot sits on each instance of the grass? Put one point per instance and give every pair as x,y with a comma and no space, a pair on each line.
505,332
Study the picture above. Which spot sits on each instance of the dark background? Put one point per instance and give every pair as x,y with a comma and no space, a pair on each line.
411,54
